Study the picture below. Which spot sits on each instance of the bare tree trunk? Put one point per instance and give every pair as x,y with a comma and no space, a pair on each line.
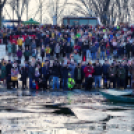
1,10
27,12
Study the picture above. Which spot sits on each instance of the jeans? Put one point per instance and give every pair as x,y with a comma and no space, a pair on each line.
48,56
88,54
30,83
65,80
102,55
97,80
93,56
56,82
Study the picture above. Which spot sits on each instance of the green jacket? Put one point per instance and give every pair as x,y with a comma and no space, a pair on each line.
3,72
121,73
70,85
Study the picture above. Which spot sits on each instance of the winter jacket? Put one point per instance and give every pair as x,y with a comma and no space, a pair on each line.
77,57
64,72
31,72
27,53
121,73
14,48
9,48
128,47
98,70
56,72
93,49
76,73
14,72
112,72
57,49
72,68
45,71
24,73
8,69
20,42
27,41
33,46
3,72
105,69
19,53
68,49
88,71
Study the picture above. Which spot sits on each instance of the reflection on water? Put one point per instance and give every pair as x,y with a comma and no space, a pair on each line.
65,113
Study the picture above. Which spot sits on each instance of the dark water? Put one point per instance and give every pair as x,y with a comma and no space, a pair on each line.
65,113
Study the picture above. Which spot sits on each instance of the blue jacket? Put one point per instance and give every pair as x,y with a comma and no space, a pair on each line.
64,72
45,71
105,68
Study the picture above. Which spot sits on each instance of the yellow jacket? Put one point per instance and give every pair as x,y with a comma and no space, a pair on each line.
19,42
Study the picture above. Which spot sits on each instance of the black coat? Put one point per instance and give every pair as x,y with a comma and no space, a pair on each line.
128,47
64,72
24,74
76,74
56,70
98,70
68,49
8,69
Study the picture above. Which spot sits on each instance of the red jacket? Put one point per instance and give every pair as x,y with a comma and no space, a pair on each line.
88,71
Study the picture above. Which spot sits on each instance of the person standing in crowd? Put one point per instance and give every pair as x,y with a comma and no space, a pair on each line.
93,51
38,76
46,73
71,82
48,51
24,76
72,66
56,72
128,49
27,54
105,69
42,52
63,49
64,75
3,73
98,70
9,49
14,76
88,70
102,50
8,74
121,76
57,50
27,42
68,50
20,42
14,49
31,74
78,76
33,45
19,54
112,75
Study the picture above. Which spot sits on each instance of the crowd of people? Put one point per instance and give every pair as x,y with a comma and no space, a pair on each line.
67,53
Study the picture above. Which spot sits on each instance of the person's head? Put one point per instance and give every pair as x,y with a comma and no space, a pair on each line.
9,61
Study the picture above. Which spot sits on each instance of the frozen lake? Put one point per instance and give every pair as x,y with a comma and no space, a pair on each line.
74,112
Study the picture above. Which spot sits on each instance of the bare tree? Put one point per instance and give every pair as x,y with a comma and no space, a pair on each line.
19,7
106,10
2,4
